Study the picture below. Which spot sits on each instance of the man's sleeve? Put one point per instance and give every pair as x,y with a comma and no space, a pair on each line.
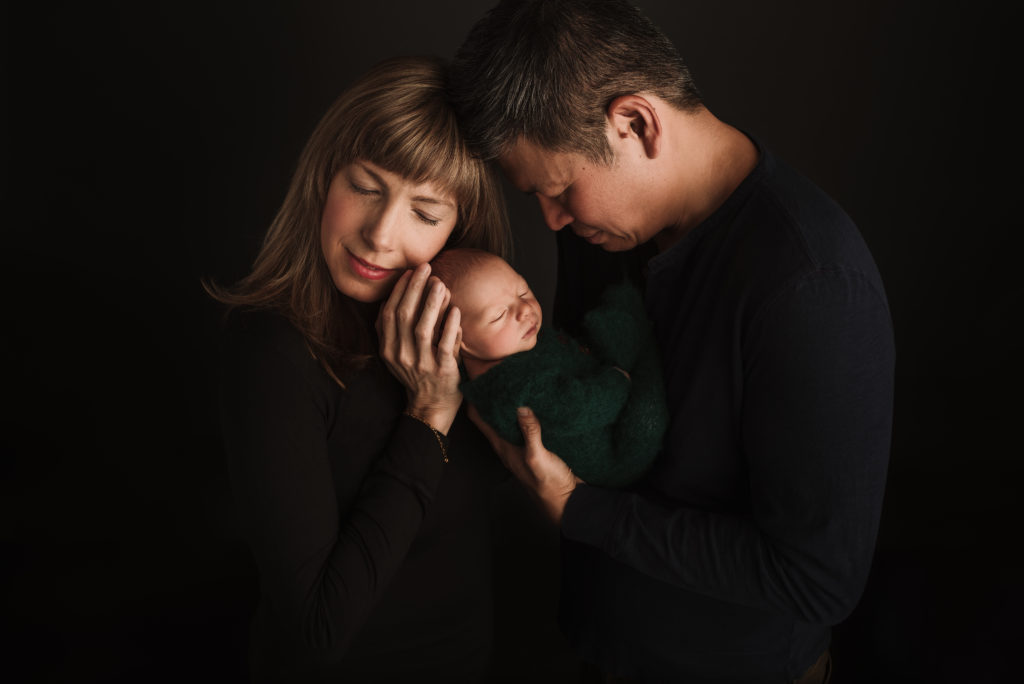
815,428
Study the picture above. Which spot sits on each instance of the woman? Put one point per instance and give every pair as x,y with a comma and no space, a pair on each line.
361,490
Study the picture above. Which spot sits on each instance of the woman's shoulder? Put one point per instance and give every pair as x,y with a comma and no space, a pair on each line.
263,334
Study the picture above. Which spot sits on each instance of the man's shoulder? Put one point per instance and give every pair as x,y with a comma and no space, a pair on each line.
803,202
791,220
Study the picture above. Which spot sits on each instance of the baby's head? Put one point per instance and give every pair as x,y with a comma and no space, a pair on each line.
500,315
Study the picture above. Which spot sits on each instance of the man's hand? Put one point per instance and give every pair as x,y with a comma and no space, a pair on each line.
543,473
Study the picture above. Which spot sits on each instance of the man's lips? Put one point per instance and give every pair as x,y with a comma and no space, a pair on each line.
365,269
588,234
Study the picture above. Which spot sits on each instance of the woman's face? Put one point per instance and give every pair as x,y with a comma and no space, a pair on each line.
376,224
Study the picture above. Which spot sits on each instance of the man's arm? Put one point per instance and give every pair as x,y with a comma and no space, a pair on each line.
542,472
816,428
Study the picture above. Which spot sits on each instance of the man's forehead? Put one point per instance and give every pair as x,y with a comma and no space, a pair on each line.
531,167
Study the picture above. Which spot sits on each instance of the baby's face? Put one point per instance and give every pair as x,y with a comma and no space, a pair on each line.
500,315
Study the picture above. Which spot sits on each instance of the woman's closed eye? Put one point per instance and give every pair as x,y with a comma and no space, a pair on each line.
426,218
362,190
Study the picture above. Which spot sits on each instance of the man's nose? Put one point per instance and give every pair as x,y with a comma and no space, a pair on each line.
555,214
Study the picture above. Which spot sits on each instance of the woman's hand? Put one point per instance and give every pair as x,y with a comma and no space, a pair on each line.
406,331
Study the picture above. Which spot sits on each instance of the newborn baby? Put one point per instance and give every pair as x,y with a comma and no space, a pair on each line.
600,400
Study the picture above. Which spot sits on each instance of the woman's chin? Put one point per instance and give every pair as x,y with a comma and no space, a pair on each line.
363,291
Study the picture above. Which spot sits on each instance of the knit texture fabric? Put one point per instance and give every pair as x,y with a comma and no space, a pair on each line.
606,427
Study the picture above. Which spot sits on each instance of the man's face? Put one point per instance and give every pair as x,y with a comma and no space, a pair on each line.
606,205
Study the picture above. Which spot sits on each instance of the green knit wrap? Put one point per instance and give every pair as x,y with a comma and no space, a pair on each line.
606,427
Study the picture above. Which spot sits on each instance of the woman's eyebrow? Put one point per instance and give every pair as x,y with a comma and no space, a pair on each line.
418,198
371,173
432,200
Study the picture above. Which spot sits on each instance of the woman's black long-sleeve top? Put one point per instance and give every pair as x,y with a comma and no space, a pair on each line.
373,554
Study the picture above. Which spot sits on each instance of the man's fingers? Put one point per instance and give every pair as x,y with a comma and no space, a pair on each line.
530,427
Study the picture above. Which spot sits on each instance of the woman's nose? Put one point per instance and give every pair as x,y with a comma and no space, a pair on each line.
555,214
382,228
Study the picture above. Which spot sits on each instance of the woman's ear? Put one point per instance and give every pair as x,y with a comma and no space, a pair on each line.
634,117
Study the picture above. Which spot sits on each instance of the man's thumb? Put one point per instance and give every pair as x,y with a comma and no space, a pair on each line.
529,426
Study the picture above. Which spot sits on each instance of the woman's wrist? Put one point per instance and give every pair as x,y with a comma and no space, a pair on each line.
438,417
442,440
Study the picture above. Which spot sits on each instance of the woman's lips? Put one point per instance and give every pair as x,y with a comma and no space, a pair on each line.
364,269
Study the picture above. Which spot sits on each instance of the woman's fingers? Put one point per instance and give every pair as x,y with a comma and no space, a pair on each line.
387,319
412,326
441,317
412,296
451,333
407,314
427,323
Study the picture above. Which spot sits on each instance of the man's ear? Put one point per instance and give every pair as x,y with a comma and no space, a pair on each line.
634,116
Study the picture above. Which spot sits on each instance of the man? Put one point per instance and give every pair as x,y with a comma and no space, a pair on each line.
753,532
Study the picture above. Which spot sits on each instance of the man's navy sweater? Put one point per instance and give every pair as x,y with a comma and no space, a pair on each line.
754,531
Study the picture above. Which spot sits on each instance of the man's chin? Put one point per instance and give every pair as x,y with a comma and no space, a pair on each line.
615,244
606,241
594,237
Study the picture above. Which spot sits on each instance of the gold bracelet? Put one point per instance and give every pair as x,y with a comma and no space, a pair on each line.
437,435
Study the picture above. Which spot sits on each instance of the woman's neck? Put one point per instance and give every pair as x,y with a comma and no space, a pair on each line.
367,310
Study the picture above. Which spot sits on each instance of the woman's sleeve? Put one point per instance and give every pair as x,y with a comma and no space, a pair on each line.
815,430
321,569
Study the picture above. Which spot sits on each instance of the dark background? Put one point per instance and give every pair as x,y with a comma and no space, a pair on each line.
148,145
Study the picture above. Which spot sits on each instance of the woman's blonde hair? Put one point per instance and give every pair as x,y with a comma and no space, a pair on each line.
397,117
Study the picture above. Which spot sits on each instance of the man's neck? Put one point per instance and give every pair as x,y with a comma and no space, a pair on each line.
706,160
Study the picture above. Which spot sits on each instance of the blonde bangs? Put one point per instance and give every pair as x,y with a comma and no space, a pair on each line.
398,118
424,146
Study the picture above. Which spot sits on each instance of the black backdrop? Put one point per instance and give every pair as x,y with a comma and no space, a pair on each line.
148,145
